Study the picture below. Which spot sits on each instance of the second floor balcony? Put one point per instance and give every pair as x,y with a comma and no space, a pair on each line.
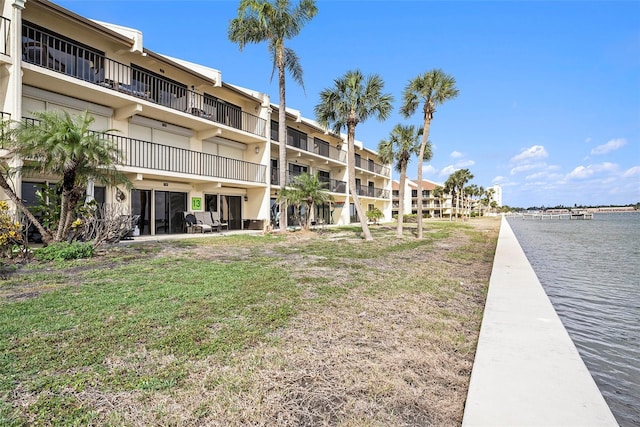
140,154
371,166
331,185
378,193
81,62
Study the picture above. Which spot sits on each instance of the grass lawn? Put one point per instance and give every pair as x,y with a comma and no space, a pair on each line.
296,329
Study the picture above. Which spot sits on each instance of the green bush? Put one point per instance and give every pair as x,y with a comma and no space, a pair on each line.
64,251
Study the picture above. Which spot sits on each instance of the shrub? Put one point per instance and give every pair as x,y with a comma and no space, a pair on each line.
374,215
60,251
10,231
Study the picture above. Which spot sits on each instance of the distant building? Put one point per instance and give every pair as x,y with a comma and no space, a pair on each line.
497,195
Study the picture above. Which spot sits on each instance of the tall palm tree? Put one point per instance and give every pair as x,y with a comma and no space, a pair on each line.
438,193
459,180
306,190
60,144
274,22
451,188
352,100
403,143
431,89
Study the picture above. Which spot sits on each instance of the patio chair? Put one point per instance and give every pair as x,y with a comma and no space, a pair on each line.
197,222
215,216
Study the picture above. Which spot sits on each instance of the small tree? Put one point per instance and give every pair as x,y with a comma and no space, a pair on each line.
56,142
374,214
305,190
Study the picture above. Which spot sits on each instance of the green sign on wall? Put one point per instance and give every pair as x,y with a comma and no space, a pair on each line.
196,203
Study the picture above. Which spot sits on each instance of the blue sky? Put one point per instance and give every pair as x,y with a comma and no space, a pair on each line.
549,103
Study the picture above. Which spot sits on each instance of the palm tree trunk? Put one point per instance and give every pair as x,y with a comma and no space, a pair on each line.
46,236
423,144
403,178
351,134
282,135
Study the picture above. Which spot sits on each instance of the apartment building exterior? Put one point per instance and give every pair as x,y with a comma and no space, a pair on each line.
190,140
432,206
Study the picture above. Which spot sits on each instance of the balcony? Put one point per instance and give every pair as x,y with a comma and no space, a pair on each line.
331,185
378,193
5,26
83,63
371,166
149,155
137,153
315,146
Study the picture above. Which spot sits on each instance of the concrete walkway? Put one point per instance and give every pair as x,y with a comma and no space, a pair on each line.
527,371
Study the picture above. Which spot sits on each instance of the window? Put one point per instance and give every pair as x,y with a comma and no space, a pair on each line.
297,139
414,193
358,160
322,147
274,131
323,176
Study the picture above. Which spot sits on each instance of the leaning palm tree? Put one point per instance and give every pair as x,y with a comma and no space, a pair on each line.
431,89
352,100
306,190
60,144
403,143
274,22
6,140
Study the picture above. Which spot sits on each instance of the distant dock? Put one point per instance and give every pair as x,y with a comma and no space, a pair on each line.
543,216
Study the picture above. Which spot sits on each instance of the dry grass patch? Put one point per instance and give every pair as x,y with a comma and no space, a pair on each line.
384,334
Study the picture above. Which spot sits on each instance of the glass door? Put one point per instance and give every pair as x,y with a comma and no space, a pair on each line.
231,211
170,207
141,205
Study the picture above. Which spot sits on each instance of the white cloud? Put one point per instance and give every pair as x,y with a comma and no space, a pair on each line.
429,169
582,172
525,168
456,155
498,179
534,152
448,170
464,164
612,145
588,140
632,172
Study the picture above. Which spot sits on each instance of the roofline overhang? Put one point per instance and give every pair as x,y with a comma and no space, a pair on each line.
66,13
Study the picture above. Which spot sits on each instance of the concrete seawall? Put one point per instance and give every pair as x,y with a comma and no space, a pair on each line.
527,371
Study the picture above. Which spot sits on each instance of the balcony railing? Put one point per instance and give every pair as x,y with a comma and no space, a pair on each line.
313,145
379,193
48,51
332,185
5,26
371,166
158,157
149,155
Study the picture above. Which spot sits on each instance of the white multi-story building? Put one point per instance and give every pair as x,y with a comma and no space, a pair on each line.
190,140
432,206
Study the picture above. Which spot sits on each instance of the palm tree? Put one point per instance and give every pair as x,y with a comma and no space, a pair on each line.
403,143
60,144
458,181
450,187
274,22
306,190
438,193
352,100
431,89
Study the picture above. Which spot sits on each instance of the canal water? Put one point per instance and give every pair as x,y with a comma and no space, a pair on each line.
591,271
